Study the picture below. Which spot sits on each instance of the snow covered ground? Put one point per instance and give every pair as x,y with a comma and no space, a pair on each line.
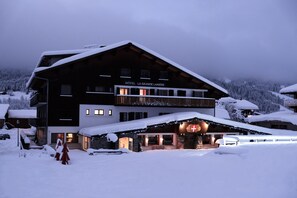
241,172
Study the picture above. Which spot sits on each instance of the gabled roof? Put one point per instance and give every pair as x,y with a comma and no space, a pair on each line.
141,124
96,51
289,89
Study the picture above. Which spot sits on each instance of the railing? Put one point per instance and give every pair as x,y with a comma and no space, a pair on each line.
290,102
37,99
164,101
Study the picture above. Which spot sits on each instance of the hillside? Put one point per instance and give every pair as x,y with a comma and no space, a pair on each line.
261,93
13,88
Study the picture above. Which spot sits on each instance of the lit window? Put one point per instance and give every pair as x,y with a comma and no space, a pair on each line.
110,112
99,112
123,91
87,111
143,92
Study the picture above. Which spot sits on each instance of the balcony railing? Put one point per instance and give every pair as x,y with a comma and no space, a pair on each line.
168,101
37,99
290,102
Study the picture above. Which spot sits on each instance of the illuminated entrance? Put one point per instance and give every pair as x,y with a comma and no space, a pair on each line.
126,142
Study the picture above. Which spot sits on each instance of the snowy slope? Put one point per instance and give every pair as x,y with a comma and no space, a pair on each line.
258,172
15,95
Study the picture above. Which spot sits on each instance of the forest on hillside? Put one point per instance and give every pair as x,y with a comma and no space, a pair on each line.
256,91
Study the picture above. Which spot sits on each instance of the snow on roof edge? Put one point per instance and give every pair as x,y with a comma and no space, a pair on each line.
22,113
289,89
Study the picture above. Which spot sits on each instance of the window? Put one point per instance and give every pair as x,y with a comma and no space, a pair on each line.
123,116
144,92
167,139
66,90
99,112
198,94
124,91
162,92
99,89
71,138
55,136
153,140
163,75
110,112
87,111
145,74
181,93
125,73
127,116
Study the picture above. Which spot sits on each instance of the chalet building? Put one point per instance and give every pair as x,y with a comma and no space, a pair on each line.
286,119
76,89
21,118
3,113
292,92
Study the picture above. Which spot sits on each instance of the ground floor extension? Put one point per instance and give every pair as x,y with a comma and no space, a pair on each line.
185,130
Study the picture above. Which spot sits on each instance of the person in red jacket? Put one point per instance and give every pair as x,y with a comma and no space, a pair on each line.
65,156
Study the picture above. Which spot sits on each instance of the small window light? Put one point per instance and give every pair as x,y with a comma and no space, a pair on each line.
110,112
101,112
87,111
96,112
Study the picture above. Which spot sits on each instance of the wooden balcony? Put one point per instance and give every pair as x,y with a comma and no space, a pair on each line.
37,100
164,101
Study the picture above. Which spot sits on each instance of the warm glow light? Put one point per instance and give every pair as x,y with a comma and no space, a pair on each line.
123,91
70,135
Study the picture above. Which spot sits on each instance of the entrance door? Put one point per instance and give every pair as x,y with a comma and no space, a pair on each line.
126,142
190,141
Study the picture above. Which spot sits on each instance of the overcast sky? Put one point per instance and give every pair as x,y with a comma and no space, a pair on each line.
244,38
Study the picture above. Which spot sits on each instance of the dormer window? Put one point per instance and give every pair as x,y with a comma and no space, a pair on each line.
125,73
145,74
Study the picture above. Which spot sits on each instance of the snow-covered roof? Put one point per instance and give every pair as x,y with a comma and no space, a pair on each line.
289,89
136,124
172,118
22,113
3,110
64,52
245,105
227,100
283,116
221,112
112,46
